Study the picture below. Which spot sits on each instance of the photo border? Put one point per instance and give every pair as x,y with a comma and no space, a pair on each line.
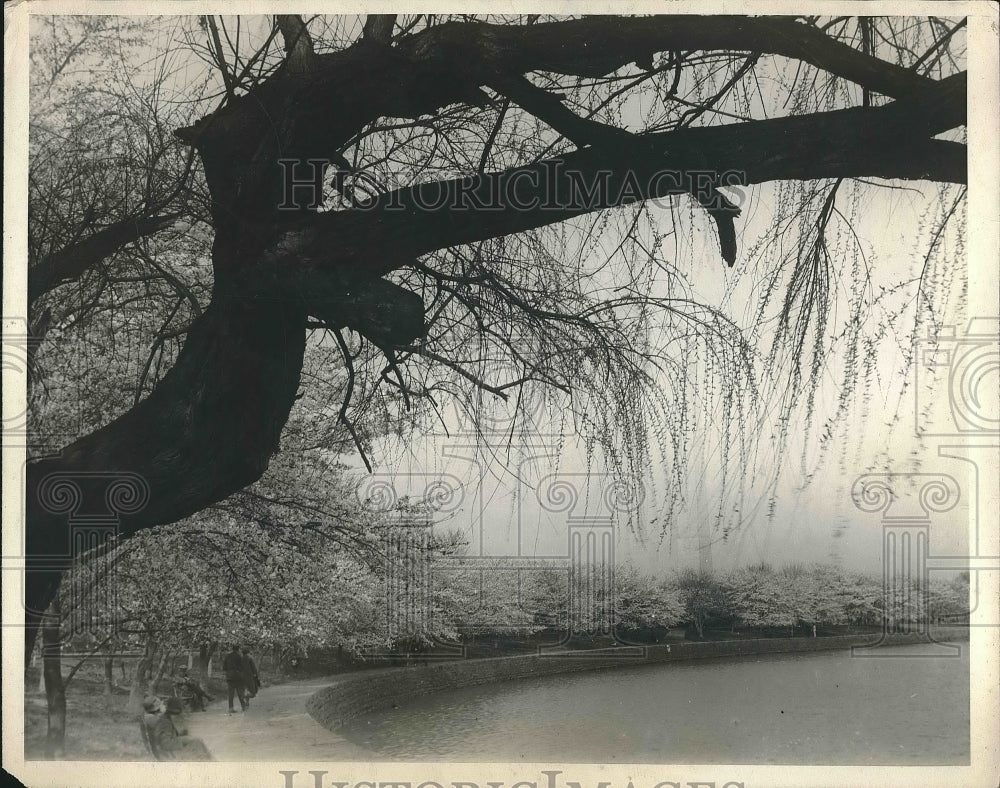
983,205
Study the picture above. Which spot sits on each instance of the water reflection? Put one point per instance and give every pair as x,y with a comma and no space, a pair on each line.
795,709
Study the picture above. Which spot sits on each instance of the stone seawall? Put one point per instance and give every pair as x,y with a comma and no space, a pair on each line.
357,694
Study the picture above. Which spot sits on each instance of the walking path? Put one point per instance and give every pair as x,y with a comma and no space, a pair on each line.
275,727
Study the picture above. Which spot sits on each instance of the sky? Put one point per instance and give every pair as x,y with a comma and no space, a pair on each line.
813,519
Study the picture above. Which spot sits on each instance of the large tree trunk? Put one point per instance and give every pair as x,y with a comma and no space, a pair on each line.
140,679
206,431
166,661
55,690
205,652
109,675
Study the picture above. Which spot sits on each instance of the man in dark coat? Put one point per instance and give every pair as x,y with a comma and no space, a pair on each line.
233,667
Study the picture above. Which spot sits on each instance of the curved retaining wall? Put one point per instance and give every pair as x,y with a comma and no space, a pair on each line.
355,695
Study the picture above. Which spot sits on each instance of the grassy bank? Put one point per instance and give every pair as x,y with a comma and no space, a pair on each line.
99,726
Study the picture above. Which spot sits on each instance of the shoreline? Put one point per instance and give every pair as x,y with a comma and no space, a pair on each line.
286,720
353,695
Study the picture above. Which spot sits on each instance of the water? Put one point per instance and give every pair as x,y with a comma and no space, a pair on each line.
821,708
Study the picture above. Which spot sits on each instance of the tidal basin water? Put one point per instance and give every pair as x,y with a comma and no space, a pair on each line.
821,708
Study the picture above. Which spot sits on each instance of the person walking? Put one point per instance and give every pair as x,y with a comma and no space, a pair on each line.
251,676
233,667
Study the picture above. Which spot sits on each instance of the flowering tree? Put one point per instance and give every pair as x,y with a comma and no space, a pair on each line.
644,601
704,596
761,597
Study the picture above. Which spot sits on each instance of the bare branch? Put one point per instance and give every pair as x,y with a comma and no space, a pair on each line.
349,364
549,108
220,59
595,45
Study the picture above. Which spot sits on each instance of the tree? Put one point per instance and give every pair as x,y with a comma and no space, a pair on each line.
822,592
644,602
863,600
547,596
295,562
455,285
950,602
705,597
489,601
762,597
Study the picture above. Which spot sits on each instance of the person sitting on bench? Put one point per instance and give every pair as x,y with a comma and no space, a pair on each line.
165,733
190,692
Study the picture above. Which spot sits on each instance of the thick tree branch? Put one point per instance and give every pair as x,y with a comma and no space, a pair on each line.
859,142
549,108
71,262
341,92
594,46
583,131
378,28
298,43
381,311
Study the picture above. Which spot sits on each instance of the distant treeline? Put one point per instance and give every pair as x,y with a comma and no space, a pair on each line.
758,599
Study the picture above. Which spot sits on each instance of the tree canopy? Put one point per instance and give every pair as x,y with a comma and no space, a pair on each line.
504,211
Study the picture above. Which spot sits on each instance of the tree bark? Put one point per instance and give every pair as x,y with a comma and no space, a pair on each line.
205,652
140,679
207,430
55,691
109,676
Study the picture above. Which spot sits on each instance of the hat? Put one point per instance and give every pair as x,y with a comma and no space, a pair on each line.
151,703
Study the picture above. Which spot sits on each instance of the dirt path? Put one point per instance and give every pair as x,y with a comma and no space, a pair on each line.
275,727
